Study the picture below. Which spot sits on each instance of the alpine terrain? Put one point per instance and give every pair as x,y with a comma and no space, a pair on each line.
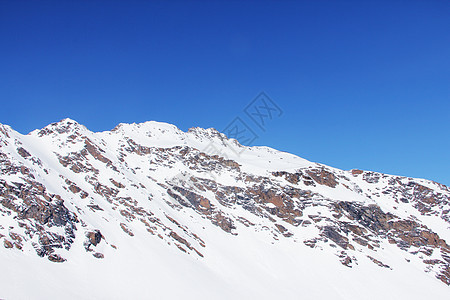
147,211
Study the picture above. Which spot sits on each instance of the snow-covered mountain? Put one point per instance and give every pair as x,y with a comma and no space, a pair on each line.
147,211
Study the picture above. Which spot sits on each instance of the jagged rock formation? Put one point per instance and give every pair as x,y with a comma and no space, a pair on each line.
64,186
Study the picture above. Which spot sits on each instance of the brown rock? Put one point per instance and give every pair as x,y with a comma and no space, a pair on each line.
56,258
74,189
98,255
24,153
126,229
117,184
357,172
7,244
323,177
95,237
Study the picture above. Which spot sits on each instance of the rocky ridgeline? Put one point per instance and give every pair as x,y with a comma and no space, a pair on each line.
55,181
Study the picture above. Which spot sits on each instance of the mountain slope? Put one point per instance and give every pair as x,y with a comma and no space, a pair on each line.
146,210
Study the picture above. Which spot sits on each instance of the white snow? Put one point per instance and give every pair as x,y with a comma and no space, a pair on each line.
249,265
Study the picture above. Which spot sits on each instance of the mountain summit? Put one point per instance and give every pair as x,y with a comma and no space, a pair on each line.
149,211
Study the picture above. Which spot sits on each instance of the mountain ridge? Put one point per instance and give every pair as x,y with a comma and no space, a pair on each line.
79,197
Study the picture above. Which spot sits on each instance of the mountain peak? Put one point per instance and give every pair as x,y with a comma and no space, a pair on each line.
206,132
147,127
66,125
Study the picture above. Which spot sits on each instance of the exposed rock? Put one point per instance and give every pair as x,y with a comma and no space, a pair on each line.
323,177
93,238
356,172
379,263
7,244
74,189
333,235
56,258
126,229
24,153
117,184
94,207
98,255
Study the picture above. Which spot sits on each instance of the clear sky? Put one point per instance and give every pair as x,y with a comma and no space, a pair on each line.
362,84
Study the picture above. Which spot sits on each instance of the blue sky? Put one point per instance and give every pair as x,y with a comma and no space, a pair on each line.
362,84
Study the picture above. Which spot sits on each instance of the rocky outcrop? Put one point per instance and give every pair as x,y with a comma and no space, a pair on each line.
30,201
407,234
93,238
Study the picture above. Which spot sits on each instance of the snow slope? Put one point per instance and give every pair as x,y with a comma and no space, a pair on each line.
149,211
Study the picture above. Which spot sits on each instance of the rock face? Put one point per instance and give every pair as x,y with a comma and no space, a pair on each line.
65,185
